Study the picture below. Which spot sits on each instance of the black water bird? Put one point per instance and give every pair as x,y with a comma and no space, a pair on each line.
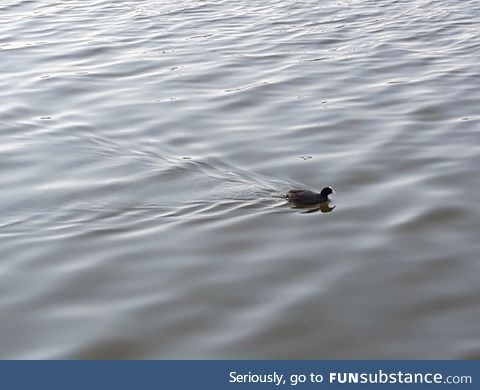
306,197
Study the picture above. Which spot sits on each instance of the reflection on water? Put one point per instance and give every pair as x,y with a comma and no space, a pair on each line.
147,147
324,207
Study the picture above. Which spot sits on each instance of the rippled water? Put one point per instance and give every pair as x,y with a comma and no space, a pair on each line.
145,147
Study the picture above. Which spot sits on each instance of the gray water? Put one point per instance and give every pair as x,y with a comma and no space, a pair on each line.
145,147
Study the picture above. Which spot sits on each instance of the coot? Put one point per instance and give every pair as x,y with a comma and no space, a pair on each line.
309,197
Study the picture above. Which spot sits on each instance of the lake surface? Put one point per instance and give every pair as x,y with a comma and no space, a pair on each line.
145,147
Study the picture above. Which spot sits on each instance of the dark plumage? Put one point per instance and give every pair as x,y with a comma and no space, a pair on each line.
309,197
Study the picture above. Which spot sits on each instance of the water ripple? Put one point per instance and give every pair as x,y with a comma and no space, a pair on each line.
145,148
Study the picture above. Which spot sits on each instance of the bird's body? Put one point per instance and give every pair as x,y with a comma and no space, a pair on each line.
309,197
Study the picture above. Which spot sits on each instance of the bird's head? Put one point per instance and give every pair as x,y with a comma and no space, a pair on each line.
327,191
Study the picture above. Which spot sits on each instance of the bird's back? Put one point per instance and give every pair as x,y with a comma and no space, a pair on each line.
303,196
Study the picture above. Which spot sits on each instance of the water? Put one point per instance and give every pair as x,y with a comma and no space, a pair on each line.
145,146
